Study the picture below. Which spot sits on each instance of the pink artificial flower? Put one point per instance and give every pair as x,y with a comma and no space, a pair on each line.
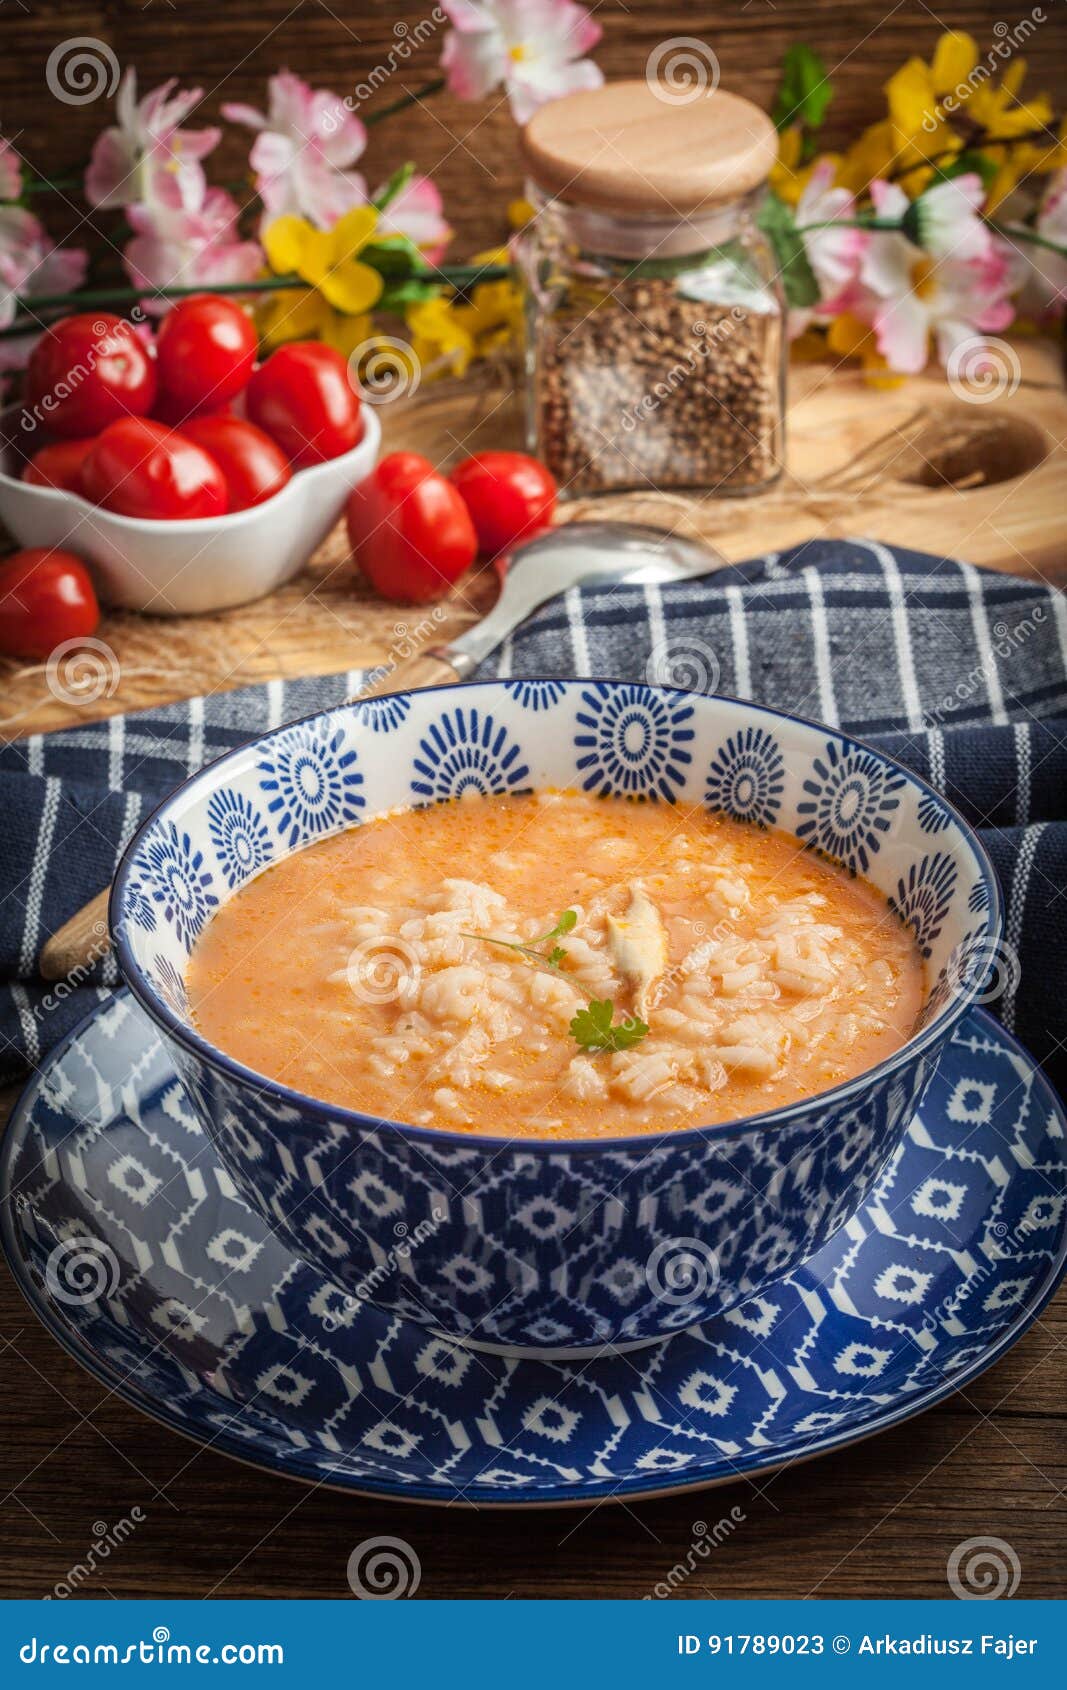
10,172
31,265
308,139
833,253
533,47
1042,274
186,239
417,213
146,129
908,293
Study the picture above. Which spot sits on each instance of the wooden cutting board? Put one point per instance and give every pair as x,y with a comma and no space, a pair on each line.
912,465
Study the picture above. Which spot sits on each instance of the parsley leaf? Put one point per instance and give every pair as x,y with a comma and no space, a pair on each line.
595,1028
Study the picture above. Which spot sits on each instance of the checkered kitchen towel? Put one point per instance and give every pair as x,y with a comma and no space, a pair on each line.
959,673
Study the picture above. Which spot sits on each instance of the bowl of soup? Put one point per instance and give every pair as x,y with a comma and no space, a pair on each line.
555,1014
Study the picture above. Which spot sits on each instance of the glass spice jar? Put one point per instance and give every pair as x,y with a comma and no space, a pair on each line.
655,323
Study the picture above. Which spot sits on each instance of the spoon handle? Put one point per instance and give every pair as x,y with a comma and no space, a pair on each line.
83,939
79,943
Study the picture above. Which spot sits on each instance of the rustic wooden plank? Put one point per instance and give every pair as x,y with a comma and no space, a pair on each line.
230,50
879,1519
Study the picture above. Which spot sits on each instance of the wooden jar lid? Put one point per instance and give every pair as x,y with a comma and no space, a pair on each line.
632,148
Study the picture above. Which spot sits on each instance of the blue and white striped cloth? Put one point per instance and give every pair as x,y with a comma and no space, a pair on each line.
959,673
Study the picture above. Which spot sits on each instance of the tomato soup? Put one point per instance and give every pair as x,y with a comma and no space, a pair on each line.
556,966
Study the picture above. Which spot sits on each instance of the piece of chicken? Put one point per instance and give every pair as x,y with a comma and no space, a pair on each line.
638,943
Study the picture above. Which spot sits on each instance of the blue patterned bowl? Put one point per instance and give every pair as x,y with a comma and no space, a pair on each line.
554,1246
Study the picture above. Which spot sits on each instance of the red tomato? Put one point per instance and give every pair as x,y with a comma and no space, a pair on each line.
205,353
254,468
46,597
509,496
139,468
87,371
59,465
168,411
303,399
409,529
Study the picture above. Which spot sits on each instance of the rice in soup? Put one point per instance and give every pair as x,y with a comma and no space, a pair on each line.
417,968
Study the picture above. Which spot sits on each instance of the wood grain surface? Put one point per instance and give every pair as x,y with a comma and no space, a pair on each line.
229,50
880,1519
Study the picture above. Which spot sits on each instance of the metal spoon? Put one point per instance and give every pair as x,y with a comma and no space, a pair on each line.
573,555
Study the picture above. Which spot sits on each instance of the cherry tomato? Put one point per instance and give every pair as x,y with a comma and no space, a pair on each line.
46,597
303,399
409,529
509,496
87,371
205,353
168,411
139,468
59,465
253,467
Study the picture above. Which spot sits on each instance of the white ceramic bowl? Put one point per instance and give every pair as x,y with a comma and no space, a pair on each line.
181,568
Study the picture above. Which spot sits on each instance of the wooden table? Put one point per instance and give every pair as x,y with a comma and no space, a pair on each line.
880,1519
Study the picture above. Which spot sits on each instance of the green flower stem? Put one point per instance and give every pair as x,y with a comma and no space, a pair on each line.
1021,232
460,276
53,185
883,225
406,100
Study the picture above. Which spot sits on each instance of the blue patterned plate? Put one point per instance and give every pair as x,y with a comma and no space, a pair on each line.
129,1241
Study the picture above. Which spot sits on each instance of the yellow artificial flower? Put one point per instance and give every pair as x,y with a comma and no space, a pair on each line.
520,212
785,178
327,259
494,316
848,337
303,314
872,156
439,342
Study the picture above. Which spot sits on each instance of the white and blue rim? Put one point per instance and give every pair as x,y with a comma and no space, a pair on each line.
934,1032
295,1467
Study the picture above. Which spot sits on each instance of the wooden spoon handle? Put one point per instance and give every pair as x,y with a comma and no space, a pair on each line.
83,939
80,942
